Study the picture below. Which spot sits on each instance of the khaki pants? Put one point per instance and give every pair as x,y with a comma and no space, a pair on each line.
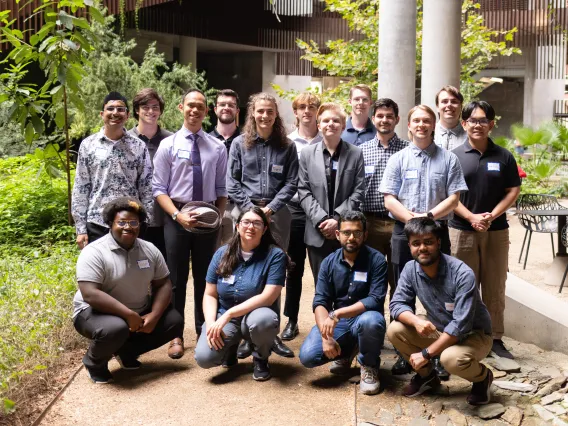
487,254
379,238
462,359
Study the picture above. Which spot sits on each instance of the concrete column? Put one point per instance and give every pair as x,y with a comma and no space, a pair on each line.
397,56
188,51
441,37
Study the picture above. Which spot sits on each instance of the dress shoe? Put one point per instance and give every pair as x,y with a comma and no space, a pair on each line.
401,367
230,359
290,331
440,370
281,349
176,351
244,350
500,349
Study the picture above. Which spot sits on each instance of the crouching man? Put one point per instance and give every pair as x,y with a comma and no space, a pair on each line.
123,302
349,306
457,326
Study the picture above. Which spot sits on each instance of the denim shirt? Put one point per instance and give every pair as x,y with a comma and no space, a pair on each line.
422,179
340,284
249,278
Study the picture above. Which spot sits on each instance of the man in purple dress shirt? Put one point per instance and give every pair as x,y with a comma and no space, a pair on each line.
190,165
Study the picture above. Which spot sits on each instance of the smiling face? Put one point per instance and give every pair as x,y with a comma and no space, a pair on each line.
250,229
306,114
265,113
449,107
478,126
150,112
360,103
125,235
351,236
385,121
194,109
331,124
421,125
226,109
114,115
425,249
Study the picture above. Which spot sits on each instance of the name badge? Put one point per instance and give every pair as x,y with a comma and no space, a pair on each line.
494,167
143,264
229,280
360,276
101,153
277,168
450,306
334,165
411,174
184,154
369,170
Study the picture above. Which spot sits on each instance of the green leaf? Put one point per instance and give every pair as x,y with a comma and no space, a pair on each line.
29,133
60,118
96,15
9,406
38,124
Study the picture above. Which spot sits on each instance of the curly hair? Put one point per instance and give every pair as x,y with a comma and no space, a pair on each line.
278,136
129,204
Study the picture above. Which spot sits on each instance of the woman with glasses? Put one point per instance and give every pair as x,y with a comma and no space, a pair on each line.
244,282
123,301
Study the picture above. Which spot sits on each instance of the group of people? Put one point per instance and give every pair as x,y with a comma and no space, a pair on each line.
425,217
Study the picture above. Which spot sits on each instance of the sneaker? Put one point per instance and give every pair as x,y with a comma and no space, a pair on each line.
481,391
342,366
401,366
244,350
230,359
100,376
128,364
440,370
418,385
369,384
261,370
500,350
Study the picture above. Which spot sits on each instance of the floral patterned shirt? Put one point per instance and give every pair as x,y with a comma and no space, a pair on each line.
107,170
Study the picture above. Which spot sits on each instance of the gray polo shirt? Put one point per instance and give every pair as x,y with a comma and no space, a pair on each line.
123,274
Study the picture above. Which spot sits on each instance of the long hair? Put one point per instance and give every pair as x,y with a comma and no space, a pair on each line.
232,255
278,137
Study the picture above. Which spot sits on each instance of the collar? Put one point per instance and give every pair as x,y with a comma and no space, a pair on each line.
429,151
102,136
295,136
361,261
137,133
221,138
337,151
114,246
456,131
368,127
392,140
186,132
468,148
442,269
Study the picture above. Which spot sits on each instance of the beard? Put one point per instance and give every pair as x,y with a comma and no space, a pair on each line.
226,118
430,260
351,248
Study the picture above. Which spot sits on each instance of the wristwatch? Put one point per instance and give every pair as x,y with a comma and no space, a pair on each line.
430,215
333,316
175,215
426,354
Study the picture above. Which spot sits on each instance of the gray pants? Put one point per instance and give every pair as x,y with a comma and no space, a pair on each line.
279,225
227,226
259,326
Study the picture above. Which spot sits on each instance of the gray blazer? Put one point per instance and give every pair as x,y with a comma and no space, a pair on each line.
312,186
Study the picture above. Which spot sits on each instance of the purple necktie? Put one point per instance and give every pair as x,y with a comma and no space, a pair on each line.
197,175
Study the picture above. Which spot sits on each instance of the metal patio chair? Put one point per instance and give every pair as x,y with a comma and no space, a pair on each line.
540,224
565,244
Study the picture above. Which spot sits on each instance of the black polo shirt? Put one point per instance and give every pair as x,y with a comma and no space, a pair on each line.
487,176
228,141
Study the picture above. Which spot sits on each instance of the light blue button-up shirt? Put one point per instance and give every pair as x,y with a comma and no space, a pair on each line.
422,179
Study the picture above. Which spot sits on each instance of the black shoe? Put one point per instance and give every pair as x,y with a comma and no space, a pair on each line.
128,363
281,349
500,349
401,367
230,359
261,371
244,350
440,370
290,331
100,376
481,391
418,385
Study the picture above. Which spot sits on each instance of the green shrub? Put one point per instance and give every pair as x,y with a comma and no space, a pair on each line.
33,205
36,293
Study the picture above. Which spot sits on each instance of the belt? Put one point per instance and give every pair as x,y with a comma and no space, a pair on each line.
378,215
260,202
179,205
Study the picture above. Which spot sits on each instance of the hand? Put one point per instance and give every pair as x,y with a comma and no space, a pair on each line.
215,333
328,228
82,241
417,361
480,222
331,348
186,219
327,328
267,211
134,321
149,323
424,328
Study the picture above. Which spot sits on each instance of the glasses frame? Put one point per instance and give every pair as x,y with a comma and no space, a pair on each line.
127,222
251,222
357,234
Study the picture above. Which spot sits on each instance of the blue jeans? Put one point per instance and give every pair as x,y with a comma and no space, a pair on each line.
366,330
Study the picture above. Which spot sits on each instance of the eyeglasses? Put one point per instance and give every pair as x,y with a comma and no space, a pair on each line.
131,223
117,109
360,100
356,234
227,105
482,122
257,224
150,107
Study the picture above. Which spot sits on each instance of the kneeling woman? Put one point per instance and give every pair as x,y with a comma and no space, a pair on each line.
244,281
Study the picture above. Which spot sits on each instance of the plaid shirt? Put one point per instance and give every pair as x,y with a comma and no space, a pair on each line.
376,157
107,170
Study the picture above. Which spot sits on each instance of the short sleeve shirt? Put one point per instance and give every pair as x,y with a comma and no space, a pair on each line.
487,175
125,275
422,179
249,278
358,137
449,138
